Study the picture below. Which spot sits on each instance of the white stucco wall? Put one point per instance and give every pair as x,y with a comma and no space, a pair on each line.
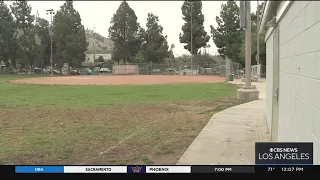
269,79
299,98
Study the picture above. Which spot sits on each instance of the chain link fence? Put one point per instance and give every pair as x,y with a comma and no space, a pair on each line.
235,70
185,68
173,69
193,69
212,69
220,70
163,69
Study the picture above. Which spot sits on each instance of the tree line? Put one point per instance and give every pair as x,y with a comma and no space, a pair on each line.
25,38
132,43
135,44
230,39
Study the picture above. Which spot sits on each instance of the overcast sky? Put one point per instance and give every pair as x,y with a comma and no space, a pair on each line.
99,13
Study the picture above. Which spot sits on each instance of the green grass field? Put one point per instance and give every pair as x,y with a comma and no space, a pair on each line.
143,124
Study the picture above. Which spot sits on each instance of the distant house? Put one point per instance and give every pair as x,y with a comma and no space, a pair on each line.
2,66
90,57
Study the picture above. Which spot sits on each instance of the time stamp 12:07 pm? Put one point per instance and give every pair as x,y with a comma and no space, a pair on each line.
286,169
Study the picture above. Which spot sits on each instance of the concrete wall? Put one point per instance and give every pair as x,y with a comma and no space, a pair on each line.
299,98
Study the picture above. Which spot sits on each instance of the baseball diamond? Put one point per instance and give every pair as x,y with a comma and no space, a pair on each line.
120,80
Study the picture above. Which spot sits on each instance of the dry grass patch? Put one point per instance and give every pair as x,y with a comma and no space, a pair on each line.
121,134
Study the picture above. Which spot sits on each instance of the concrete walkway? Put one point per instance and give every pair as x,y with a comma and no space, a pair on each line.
230,135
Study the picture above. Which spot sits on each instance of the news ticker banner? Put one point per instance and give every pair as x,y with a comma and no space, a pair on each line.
211,169
134,169
270,157
288,153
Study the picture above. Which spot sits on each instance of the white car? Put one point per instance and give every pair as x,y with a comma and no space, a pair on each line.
104,70
156,70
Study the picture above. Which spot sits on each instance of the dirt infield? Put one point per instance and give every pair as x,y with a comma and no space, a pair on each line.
120,80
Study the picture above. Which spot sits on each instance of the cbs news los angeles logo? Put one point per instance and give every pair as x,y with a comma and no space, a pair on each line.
284,153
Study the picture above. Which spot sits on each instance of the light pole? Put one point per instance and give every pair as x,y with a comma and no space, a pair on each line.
37,25
248,44
258,35
191,45
50,11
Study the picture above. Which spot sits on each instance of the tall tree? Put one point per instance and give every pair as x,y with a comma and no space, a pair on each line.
228,36
69,36
43,42
126,34
262,44
171,55
199,35
25,34
100,59
155,48
171,58
7,39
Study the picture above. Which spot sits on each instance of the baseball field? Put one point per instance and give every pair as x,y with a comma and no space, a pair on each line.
106,119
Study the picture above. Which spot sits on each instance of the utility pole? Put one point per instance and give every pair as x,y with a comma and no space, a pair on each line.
37,24
258,35
247,92
50,11
191,45
248,44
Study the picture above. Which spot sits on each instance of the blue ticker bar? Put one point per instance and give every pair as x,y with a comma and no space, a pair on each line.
39,169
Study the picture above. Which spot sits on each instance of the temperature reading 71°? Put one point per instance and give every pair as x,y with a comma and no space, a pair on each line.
271,168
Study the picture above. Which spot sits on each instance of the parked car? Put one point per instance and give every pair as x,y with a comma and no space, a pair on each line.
172,71
104,70
75,72
156,70
56,72
85,71
206,71
46,71
38,71
23,71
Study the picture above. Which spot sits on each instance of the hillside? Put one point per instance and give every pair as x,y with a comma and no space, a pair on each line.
98,42
102,45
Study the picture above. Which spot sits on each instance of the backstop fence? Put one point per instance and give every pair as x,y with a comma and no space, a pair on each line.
221,70
217,69
157,69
